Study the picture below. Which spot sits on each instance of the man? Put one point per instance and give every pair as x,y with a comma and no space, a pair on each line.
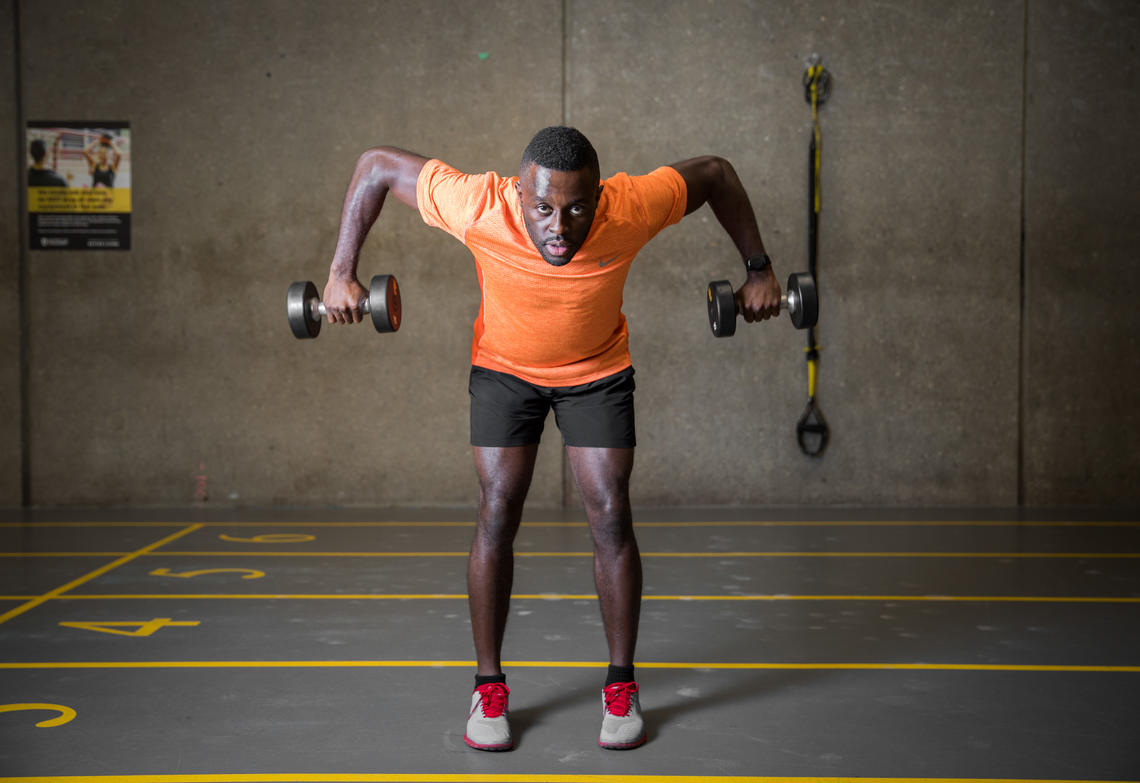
552,250
39,175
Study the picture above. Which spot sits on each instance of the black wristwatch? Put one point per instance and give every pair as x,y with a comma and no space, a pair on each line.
757,263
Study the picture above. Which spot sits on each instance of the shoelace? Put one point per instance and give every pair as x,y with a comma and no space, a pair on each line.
618,698
494,699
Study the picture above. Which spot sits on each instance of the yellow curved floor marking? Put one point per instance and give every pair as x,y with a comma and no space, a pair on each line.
302,777
247,573
66,714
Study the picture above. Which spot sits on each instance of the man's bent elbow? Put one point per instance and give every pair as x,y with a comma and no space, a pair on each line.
391,168
704,177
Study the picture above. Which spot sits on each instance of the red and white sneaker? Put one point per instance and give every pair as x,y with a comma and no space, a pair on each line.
487,727
622,725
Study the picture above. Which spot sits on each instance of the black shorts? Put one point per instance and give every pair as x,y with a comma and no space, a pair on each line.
508,411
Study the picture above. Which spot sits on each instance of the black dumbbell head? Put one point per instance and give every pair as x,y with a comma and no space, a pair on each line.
384,301
801,286
301,319
722,308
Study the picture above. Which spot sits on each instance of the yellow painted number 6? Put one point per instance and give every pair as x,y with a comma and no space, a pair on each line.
271,538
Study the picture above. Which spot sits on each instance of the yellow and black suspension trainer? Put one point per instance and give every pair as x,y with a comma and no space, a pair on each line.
811,430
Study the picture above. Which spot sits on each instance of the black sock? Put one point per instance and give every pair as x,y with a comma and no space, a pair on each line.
481,680
619,674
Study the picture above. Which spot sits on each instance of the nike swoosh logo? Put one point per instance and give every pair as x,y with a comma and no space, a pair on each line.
607,263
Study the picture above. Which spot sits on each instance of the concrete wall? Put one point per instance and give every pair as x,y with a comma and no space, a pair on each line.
921,184
154,367
1082,322
11,141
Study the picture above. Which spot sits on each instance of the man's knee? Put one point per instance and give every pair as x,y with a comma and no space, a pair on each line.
504,479
611,522
500,505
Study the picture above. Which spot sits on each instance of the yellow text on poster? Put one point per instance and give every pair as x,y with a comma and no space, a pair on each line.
79,200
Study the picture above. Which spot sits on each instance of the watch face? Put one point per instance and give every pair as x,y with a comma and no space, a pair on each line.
757,263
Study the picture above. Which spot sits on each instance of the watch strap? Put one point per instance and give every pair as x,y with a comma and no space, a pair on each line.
758,262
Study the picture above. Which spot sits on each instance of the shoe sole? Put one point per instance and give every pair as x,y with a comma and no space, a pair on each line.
623,745
477,746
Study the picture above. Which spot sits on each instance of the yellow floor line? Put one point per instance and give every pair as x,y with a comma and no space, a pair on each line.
897,554
255,553
310,777
64,554
585,596
109,523
293,596
1001,555
407,777
956,667
650,523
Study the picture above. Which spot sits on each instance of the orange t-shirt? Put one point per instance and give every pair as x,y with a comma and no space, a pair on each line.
549,325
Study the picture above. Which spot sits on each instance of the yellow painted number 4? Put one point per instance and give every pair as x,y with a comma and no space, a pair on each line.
141,627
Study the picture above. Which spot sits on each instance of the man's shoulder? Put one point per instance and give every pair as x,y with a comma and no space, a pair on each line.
643,203
658,178
44,178
625,192
436,169
457,201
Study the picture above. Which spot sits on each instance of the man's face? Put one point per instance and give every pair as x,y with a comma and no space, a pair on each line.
558,208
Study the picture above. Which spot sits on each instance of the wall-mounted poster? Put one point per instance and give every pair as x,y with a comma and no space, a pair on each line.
79,185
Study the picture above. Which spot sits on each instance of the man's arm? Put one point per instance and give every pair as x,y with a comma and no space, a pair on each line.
378,171
713,180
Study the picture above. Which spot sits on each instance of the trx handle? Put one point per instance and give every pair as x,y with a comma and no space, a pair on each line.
812,432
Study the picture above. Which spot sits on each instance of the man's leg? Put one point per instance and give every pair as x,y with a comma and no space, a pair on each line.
602,476
504,478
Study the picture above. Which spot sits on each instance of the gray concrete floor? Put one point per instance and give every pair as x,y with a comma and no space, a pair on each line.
281,645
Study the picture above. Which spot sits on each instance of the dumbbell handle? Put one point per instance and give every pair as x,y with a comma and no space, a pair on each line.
317,307
788,301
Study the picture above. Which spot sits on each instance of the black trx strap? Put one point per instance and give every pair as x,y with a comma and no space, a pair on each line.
811,430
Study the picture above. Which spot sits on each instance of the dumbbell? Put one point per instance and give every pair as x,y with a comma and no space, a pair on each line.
800,301
306,310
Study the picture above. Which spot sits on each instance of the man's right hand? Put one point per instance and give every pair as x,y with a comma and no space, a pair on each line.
342,300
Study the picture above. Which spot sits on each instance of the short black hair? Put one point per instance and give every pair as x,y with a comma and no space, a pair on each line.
561,149
38,150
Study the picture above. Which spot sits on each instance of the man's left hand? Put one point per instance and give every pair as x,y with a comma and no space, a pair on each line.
759,298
